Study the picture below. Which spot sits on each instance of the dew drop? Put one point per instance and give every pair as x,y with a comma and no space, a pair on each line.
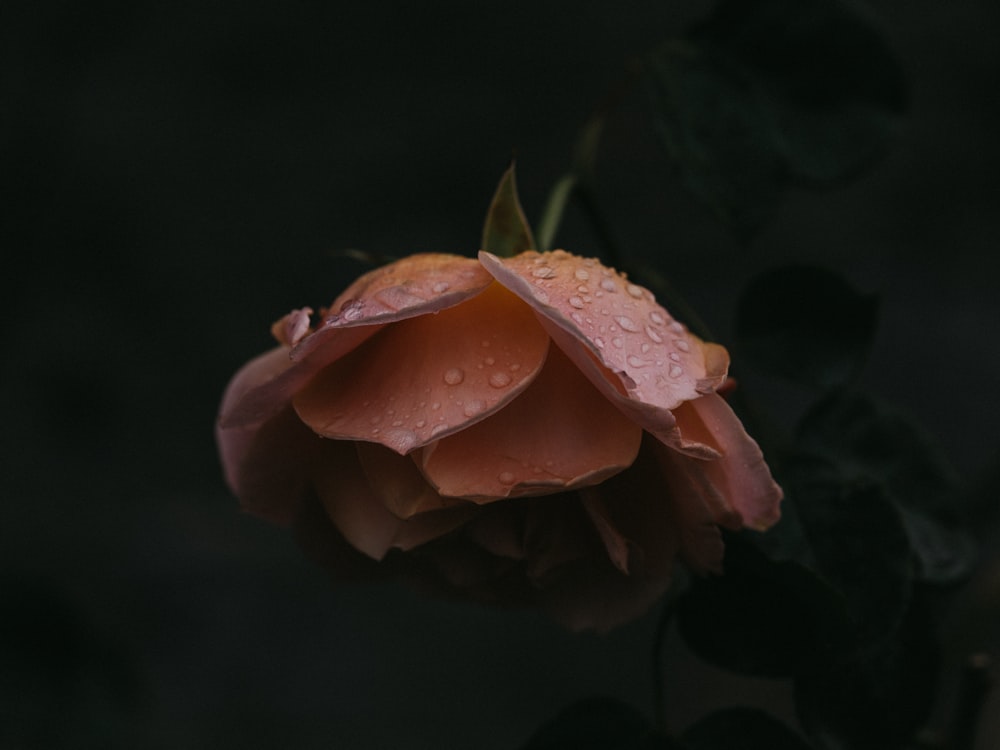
634,290
454,376
635,361
683,345
645,347
676,327
499,380
609,285
440,287
490,361
439,428
401,441
514,367
420,423
582,274
599,342
656,318
675,371
541,295
617,341
398,423
544,272
576,302
577,317
506,477
651,332
436,405
675,356
626,323
474,407
583,289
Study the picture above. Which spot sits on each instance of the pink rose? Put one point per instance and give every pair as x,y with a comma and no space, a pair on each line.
532,430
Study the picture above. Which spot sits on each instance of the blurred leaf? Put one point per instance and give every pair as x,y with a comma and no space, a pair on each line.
710,122
768,92
868,441
859,542
877,699
741,729
806,324
597,724
763,618
506,231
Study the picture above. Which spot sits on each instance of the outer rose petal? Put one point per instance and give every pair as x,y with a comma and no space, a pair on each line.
410,287
360,516
265,464
740,481
559,434
617,334
427,377
398,483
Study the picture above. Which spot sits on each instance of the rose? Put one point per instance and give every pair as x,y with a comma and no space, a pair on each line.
533,430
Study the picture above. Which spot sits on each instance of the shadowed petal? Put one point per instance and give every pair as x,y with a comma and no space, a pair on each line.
430,376
561,433
616,333
398,483
360,515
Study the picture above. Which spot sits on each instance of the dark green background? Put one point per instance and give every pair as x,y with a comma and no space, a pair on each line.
175,176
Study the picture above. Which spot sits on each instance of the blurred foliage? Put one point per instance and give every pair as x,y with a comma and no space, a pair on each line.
506,231
768,93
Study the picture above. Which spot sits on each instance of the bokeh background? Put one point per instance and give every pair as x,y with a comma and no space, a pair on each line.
175,176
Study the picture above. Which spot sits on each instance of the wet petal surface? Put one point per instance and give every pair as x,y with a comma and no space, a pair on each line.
560,433
614,331
430,376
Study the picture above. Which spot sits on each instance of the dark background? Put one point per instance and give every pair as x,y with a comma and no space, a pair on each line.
175,176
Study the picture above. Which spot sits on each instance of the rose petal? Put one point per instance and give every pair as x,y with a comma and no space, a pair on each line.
740,480
559,434
361,517
398,483
628,345
430,376
413,286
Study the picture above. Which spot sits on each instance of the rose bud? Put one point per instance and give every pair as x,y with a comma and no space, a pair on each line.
534,430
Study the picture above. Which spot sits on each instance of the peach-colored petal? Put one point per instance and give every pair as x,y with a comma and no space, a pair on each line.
398,483
427,377
740,479
414,285
410,287
361,517
616,333
559,434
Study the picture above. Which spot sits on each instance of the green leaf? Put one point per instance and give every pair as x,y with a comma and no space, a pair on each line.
876,699
763,618
766,93
597,724
506,231
807,324
741,729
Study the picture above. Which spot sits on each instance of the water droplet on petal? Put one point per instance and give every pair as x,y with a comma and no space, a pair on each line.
654,335
634,290
577,317
440,287
474,407
635,361
499,380
675,371
675,356
506,477
657,318
576,302
645,347
599,342
676,327
683,345
617,341
438,429
454,375
544,272
626,323
420,423
609,285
